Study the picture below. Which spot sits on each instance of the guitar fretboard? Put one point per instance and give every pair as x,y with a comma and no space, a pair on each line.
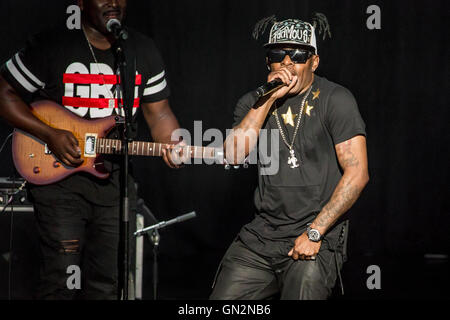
142,148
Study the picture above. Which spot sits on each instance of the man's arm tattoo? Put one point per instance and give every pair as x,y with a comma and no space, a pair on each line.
343,198
346,156
347,191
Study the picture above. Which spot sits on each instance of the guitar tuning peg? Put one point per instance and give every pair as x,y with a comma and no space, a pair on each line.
245,165
227,166
236,167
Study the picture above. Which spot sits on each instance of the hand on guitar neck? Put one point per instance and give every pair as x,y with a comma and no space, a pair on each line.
174,155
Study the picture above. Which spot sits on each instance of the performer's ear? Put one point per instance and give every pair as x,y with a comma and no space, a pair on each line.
268,64
315,63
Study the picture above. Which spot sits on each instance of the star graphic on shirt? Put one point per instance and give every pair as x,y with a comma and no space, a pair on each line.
289,117
308,109
316,94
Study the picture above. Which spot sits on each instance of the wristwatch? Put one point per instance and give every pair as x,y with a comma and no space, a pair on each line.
313,234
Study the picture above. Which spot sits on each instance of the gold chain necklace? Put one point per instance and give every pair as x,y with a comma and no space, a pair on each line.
293,162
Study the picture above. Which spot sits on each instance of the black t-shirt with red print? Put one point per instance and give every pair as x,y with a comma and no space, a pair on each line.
59,65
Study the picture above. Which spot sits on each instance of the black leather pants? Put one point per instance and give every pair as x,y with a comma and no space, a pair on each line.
244,274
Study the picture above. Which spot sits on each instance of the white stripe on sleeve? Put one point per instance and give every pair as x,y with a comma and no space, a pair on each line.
155,89
28,73
18,76
156,78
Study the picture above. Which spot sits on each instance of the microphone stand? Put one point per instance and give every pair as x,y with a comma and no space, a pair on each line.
125,89
155,238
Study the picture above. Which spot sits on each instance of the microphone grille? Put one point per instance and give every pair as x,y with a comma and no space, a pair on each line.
111,23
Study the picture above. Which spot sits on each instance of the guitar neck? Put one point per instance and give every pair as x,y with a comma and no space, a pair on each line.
142,148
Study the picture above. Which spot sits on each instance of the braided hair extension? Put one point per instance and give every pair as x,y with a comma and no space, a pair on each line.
261,25
320,20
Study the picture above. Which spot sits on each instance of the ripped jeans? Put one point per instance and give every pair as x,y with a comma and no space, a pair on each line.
75,232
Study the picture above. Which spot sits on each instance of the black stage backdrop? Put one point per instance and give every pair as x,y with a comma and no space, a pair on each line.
398,74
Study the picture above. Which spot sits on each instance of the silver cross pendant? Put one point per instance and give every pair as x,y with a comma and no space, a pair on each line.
292,160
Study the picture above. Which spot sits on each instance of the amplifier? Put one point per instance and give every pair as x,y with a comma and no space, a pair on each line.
15,188
19,251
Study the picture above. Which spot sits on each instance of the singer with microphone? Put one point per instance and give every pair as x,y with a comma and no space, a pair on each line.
78,217
295,246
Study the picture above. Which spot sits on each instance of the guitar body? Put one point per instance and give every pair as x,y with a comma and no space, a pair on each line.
39,166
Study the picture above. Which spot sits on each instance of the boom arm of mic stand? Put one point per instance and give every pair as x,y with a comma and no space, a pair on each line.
164,224
152,232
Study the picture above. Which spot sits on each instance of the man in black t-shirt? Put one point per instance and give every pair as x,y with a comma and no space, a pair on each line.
78,217
295,246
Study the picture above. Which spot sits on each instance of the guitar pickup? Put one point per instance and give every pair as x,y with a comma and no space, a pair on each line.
90,145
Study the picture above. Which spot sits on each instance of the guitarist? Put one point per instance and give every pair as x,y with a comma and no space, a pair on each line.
78,218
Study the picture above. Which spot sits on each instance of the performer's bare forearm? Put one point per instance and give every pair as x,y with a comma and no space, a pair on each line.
343,198
352,157
244,136
160,120
18,114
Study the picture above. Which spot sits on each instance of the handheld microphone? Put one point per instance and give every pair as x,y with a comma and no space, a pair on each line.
115,27
269,87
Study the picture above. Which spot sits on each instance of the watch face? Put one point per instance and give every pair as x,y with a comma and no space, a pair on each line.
314,235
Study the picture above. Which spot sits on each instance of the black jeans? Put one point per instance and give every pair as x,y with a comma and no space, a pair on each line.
75,232
246,275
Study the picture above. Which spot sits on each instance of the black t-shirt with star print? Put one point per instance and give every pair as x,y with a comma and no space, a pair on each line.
287,199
